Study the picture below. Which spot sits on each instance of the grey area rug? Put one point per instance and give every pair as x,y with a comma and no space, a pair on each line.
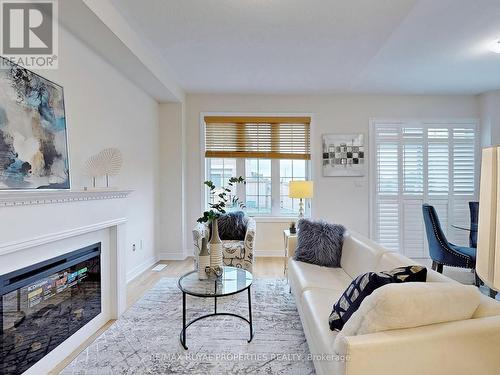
145,340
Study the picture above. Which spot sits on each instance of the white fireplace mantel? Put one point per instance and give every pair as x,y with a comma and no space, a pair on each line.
37,225
7,248
25,197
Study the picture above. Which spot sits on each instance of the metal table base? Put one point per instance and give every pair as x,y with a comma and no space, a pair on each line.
182,335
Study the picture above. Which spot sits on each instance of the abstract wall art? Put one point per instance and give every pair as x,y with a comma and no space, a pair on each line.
343,155
33,138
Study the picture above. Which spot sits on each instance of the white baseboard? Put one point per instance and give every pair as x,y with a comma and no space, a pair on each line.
137,270
167,255
270,253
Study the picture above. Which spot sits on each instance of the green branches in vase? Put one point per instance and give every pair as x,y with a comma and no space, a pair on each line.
222,200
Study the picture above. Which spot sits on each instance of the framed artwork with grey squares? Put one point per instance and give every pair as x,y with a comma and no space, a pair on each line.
343,155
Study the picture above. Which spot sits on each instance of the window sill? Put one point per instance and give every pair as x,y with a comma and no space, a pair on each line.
275,219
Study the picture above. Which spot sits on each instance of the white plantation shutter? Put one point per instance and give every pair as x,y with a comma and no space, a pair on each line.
422,162
413,160
388,164
413,241
387,210
438,161
463,161
464,182
388,223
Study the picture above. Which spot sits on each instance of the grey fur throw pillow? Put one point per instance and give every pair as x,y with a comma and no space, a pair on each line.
319,242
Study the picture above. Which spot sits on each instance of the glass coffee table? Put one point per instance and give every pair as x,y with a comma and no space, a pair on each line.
232,281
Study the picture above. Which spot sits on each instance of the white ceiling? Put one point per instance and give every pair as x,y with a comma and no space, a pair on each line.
323,46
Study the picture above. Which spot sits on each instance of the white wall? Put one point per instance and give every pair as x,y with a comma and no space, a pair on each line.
171,234
103,109
342,199
490,118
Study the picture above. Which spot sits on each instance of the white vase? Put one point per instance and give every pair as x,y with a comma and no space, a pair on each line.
203,260
215,246
203,263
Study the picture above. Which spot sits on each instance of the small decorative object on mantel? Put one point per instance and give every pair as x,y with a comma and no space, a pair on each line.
203,260
343,155
293,228
106,163
93,169
221,200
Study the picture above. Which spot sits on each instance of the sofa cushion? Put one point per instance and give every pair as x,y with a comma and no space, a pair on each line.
304,276
408,305
316,308
359,254
319,242
433,276
360,288
487,307
364,285
390,260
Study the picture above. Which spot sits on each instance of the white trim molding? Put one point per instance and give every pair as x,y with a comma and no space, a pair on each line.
41,240
140,268
277,219
24,198
181,255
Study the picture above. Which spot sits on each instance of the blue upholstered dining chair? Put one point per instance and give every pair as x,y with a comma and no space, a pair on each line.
474,216
442,252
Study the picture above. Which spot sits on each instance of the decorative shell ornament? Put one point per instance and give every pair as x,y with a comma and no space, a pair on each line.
107,163
112,161
94,168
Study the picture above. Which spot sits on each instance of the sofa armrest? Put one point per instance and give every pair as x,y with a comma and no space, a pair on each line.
250,238
469,346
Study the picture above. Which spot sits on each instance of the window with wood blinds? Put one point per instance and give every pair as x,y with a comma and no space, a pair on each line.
257,137
269,151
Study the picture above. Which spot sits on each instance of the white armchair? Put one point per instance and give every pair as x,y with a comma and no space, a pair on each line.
235,253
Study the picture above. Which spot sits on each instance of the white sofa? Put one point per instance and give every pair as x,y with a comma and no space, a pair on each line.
469,346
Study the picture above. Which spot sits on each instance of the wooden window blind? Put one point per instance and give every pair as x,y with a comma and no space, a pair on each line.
257,137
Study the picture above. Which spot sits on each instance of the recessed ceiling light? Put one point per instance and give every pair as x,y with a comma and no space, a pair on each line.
495,46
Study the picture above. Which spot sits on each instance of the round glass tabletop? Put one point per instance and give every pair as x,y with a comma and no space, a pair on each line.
233,280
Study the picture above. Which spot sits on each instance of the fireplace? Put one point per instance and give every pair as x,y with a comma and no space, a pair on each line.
44,304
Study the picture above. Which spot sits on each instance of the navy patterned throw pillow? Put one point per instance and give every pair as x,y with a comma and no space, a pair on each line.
363,285
407,274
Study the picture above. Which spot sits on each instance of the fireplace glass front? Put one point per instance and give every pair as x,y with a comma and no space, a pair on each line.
44,304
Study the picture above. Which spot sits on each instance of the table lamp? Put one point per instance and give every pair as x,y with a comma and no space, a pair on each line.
301,190
488,240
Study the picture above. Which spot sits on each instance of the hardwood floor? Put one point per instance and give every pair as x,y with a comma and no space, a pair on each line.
263,268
